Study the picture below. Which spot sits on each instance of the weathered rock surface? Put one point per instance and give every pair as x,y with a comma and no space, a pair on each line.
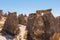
41,27
30,23
11,24
49,22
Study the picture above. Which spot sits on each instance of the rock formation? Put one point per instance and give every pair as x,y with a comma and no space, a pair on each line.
41,27
1,13
11,24
57,24
49,22
30,23
21,19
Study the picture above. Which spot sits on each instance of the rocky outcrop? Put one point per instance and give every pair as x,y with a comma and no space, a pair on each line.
41,27
30,23
11,24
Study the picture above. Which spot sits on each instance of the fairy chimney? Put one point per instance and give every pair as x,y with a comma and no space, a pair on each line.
11,24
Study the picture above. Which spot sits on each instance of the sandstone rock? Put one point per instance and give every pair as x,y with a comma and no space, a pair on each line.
11,24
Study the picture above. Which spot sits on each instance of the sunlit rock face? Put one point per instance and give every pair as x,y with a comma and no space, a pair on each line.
7,36
56,36
41,27
11,24
2,21
22,34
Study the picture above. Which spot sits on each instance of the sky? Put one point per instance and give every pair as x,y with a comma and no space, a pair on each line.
30,6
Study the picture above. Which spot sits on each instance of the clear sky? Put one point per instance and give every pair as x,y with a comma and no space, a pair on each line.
30,6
